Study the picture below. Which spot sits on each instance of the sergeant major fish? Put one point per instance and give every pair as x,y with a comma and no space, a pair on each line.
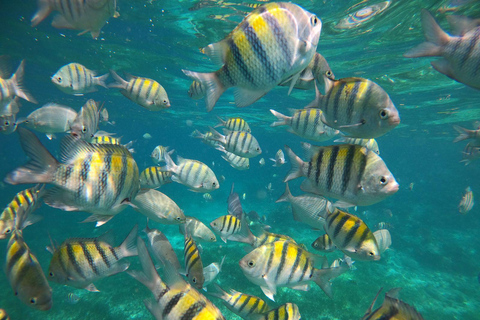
229,227
241,143
234,206
197,230
287,311
207,138
466,204
279,158
234,124
8,124
85,124
196,90
155,177
75,79
193,263
158,154
324,243
258,55
391,308
237,162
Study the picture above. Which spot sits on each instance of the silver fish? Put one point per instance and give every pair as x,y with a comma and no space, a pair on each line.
237,162
197,230
13,86
50,119
8,124
467,202
234,204
370,144
158,207
241,143
279,159
161,248
207,138
211,271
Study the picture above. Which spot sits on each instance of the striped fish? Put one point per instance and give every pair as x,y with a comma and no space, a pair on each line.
348,172
76,79
471,152
72,298
286,264
305,123
243,305
192,173
197,230
24,203
351,235
237,162
234,205
196,90
145,92
465,134
86,16
176,301
10,107
155,177
279,158
258,55
13,86
460,52
78,262
158,154
234,124
324,243
384,239
392,308
161,248
467,202
193,263
241,143
85,124
207,138
158,207
229,227
50,119
287,311
4,315
370,144
358,107
99,179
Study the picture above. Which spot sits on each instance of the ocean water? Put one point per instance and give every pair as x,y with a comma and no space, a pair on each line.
435,250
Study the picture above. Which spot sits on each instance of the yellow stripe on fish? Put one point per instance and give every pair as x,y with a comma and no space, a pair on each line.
288,311
193,263
105,140
154,177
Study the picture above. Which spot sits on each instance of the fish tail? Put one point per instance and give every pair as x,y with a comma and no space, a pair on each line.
101,80
220,123
43,11
213,87
149,276
120,82
17,80
436,38
42,166
464,134
285,197
283,119
322,277
245,235
218,292
296,162
169,164
217,136
128,248
197,134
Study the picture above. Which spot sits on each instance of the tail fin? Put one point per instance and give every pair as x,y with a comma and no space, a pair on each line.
297,163
42,166
322,277
464,134
101,80
217,136
170,165
283,119
197,134
42,12
17,80
285,197
221,122
244,235
219,292
128,248
120,82
213,87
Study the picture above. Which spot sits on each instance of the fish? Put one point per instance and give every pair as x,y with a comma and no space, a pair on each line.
207,196
370,144
100,179
344,107
287,311
467,202
8,124
234,206
10,107
161,248
351,235
197,230
155,177
243,305
13,86
178,299
145,92
241,143
24,203
158,207
104,116
269,187
84,15
193,263
72,298
257,55
85,124
350,173
237,162
4,315
207,138
279,158
465,134
305,123
324,243
76,79
107,139
286,264
384,239
460,52
192,173
261,162
470,153
79,262
307,208
384,225
50,119
211,271
234,124
147,136
196,90
229,227
392,308
158,154
359,17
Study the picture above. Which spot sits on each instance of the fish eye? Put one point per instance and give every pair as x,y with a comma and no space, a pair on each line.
371,253
194,280
314,20
258,149
84,129
251,263
179,219
383,180
59,79
33,300
212,238
165,101
51,274
328,73
7,123
315,245
383,114
8,231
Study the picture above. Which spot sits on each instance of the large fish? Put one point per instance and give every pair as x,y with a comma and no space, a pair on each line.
460,52
85,124
158,207
273,43
100,179
50,119
13,86
392,309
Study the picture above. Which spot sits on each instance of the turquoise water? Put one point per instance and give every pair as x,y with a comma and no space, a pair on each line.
434,255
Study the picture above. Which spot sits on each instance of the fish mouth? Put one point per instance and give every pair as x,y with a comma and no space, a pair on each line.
242,264
393,188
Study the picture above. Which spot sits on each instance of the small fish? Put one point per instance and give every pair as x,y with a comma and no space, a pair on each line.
467,202
145,92
85,124
158,154
72,298
158,207
241,143
234,206
161,248
75,79
211,271
324,243
106,139
197,230
193,263
147,136
155,177
255,59
86,16
465,134
471,152
384,225
269,187
262,162
207,196
237,162
279,159
104,116
231,228
78,262
8,124
459,52
4,315
384,239
196,90
207,138
392,308
244,196
287,311
370,144
50,119
411,186
13,86
361,16
234,124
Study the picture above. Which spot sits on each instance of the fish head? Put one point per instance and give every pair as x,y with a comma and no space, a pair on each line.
368,251
37,297
217,224
384,115
63,80
378,182
253,264
8,124
293,312
161,100
55,271
6,228
309,26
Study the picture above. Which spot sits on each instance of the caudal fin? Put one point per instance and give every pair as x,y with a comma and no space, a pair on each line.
322,277
213,87
42,12
285,197
282,119
120,82
17,80
296,162
128,248
101,80
464,134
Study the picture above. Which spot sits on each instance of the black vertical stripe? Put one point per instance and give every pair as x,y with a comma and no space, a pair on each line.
471,45
295,264
351,233
366,102
332,217
245,303
230,219
193,310
254,307
347,167
331,167
16,256
223,222
270,259
305,122
172,303
361,170
89,258
283,256
336,100
276,314
244,141
339,225
236,300
364,236
73,260
319,166
260,53
351,101
161,294
295,120
238,58
102,253
114,253
280,36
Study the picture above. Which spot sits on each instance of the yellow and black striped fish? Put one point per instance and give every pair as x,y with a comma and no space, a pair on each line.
244,305
241,143
226,226
287,311
4,315
99,179
392,309
261,52
370,144
74,78
324,243
106,140
175,301
193,263
146,92
350,173
155,177
12,87
158,154
207,138
24,203
237,162
234,124
86,122
196,90
78,262
351,235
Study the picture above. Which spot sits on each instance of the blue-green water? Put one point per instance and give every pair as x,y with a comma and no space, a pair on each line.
435,250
